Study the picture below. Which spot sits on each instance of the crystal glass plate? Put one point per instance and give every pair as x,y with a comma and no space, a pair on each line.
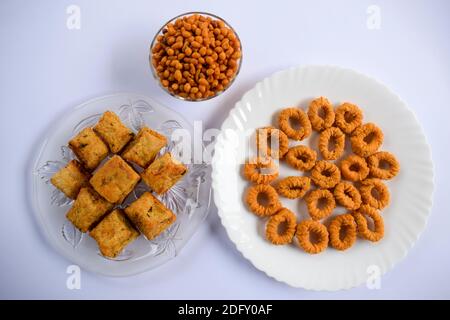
189,199
411,191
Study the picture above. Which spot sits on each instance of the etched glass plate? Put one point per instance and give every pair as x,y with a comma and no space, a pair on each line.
189,199
411,191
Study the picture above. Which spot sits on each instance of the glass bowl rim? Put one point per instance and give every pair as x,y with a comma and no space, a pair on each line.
155,75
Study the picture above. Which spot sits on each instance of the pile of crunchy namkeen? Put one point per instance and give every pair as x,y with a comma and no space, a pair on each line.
99,190
327,181
196,56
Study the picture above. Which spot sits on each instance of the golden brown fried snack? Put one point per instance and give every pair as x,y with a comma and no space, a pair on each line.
260,170
325,174
337,138
307,227
320,203
363,229
113,131
347,222
89,148
114,233
348,117
271,142
144,147
298,115
293,187
347,195
71,179
114,180
301,158
354,168
163,173
380,199
366,139
283,218
272,204
196,57
149,215
383,165
321,114
88,209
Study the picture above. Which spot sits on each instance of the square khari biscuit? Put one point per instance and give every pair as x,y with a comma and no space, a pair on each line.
144,147
88,209
114,233
89,148
149,215
71,179
114,180
163,173
113,131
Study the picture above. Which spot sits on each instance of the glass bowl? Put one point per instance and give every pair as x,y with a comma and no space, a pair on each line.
160,32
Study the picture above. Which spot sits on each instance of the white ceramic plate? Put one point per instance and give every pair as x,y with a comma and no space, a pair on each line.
189,199
411,191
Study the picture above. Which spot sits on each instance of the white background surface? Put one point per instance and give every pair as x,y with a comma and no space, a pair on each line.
45,69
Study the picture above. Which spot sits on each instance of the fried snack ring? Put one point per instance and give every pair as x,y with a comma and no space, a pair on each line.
325,174
366,190
293,187
347,195
301,158
300,116
360,145
354,168
264,135
318,106
338,136
272,227
348,117
376,171
313,200
334,229
363,229
253,170
304,229
273,204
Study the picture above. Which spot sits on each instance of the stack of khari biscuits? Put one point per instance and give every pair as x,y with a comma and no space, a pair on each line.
99,186
326,177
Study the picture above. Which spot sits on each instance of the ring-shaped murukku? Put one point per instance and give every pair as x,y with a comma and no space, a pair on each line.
304,230
364,230
271,202
321,114
300,117
349,232
348,117
325,174
354,168
271,142
374,193
320,203
260,170
347,195
301,158
293,187
285,220
366,139
336,138
383,165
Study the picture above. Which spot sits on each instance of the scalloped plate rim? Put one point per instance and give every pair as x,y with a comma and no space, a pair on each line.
222,214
